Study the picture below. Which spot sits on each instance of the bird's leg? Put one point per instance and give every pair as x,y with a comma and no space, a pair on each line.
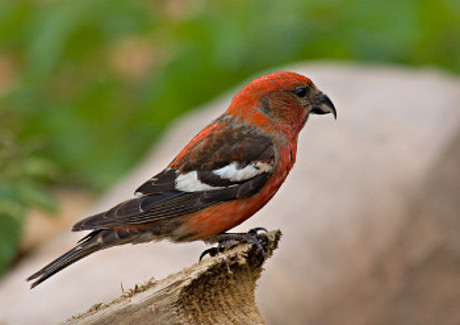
227,240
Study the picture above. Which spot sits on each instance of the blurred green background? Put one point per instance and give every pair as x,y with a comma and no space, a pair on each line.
86,87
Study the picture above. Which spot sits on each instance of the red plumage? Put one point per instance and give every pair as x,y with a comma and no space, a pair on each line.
227,172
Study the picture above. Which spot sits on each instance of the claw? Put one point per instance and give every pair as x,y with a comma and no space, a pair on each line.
221,246
257,229
227,240
213,251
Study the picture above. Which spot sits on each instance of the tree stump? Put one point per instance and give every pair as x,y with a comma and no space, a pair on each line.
217,290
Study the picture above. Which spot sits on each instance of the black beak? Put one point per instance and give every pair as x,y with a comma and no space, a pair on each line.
323,105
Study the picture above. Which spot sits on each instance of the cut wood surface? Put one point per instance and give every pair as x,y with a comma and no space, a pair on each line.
218,290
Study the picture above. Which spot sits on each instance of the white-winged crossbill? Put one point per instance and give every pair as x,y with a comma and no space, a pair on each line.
227,172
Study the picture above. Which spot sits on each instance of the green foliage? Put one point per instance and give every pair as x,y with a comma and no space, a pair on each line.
22,178
96,82
96,122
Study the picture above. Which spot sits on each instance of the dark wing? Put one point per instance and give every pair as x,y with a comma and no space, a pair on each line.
216,170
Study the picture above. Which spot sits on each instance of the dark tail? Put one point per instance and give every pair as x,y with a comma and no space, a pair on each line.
96,240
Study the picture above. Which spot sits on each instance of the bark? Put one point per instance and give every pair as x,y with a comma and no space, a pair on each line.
218,290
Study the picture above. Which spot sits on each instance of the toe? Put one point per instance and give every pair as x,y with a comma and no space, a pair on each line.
255,231
213,251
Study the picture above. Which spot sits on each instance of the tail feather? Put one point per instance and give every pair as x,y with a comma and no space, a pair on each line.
60,263
91,243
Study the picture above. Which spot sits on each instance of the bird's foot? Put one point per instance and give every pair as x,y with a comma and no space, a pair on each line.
229,240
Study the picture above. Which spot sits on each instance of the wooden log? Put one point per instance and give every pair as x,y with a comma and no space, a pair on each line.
217,290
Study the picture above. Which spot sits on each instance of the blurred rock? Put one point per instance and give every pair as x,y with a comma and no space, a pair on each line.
370,214
40,225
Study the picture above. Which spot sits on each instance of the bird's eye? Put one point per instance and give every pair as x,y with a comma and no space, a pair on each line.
301,92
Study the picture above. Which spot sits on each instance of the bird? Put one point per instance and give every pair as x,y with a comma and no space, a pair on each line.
223,176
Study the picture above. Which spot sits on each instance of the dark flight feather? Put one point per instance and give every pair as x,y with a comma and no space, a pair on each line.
160,199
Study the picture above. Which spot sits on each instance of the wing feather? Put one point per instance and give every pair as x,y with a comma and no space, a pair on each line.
227,171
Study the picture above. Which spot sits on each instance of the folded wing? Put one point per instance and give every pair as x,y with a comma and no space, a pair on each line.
217,169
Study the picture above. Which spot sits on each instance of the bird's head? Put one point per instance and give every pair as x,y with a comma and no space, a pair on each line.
284,97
